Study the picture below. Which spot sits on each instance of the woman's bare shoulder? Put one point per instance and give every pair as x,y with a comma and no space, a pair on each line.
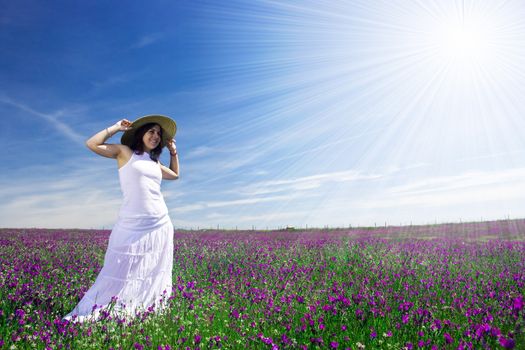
124,155
125,150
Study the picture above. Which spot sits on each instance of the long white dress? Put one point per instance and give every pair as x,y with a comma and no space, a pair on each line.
138,262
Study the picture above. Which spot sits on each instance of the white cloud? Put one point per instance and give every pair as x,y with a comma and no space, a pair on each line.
111,81
470,179
189,208
82,193
305,183
468,188
200,151
71,208
231,203
273,191
52,118
342,200
147,40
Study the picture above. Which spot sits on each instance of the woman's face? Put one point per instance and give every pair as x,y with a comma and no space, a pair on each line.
152,138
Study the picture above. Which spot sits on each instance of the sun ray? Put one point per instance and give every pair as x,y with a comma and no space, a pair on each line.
370,86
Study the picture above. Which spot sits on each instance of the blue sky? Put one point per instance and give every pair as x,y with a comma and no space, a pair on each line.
299,113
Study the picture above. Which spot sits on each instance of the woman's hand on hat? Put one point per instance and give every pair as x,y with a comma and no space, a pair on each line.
172,147
123,125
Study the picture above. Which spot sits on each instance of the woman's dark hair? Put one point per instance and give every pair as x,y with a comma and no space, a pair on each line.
137,144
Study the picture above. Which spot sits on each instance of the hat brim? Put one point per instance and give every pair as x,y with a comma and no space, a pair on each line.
168,126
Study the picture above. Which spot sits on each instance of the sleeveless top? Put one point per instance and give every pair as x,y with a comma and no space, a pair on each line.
140,180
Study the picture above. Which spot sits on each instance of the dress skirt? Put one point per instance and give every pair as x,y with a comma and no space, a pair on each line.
137,270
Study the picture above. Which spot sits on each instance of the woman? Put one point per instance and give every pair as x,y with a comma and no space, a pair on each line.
138,263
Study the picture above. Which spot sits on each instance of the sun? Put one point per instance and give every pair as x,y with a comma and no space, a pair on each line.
465,40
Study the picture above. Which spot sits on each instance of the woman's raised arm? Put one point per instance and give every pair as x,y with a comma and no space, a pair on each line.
171,173
96,142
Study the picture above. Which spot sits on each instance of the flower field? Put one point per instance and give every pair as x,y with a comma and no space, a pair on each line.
450,286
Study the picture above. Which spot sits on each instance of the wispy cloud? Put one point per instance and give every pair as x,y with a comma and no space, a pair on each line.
351,196
471,179
69,207
200,151
111,81
52,118
468,188
272,191
305,183
147,40
232,203
81,193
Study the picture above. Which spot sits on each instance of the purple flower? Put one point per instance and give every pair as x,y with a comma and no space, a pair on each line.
334,345
285,339
405,306
436,324
495,332
517,303
448,338
482,330
267,341
316,340
197,339
20,313
507,343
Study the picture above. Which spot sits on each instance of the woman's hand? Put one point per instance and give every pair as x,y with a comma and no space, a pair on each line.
171,173
123,125
172,147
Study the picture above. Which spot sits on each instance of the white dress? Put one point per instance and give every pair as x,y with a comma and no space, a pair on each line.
139,258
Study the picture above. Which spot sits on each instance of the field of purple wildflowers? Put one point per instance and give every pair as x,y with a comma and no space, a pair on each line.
449,286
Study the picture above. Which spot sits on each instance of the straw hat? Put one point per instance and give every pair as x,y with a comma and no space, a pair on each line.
168,126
